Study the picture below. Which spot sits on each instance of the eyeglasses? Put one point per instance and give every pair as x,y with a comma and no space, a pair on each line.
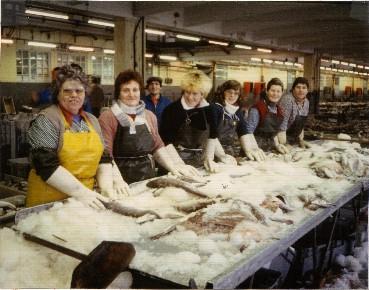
69,92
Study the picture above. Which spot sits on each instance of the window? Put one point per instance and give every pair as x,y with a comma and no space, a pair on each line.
32,66
103,66
68,58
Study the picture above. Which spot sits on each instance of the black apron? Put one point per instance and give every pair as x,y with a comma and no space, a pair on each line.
132,153
266,131
190,142
227,134
296,128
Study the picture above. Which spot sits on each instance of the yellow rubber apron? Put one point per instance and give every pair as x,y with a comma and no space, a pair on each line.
80,155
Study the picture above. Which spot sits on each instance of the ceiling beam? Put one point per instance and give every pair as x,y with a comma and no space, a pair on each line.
145,8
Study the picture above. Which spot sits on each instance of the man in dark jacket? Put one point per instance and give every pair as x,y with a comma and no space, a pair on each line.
154,101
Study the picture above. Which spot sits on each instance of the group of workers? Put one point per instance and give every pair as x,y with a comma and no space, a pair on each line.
74,154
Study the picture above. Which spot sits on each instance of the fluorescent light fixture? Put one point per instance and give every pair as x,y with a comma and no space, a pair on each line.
47,14
154,31
7,41
278,62
80,48
297,64
352,64
109,51
218,42
344,63
324,60
167,57
335,61
340,70
360,66
328,68
148,55
322,67
255,59
334,69
366,67
264,50
101,22
267,60
288,63
187,37
355,72
345,70
41,44
243,46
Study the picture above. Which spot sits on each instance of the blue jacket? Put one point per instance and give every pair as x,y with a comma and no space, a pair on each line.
158,110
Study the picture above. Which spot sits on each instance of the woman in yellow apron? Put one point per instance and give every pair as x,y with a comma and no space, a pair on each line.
67,149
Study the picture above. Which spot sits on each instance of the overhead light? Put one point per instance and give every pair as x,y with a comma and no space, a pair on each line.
167,57
355,72
109,51
47,14
218,42
243,46
264,50
352,64
80,48
297,64
187,37
101,23
322,67
324,60
340,70
41,44
288,63
7,41
367,67
267,60
360,66
344,63
335,61
278,62
255,59
334,69
345,70
148,55
153,31
328,68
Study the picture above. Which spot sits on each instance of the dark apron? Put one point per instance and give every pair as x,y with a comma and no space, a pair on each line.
191,141
266,131
228,136
132,153
296,128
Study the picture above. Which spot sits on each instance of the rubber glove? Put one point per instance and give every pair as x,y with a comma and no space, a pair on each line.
251,148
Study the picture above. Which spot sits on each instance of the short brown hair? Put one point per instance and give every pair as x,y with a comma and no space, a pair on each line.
154,79
300,80
274,82
65,73
125,77
228,85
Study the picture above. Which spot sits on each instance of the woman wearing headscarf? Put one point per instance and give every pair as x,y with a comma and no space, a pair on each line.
189,124
132,137
67,148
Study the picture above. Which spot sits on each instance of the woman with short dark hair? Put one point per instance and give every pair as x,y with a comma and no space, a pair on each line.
131,134
67,148
295,112
263,122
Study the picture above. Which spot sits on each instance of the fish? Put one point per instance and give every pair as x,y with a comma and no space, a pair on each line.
5,204
255,211
163,182
193,205
127,210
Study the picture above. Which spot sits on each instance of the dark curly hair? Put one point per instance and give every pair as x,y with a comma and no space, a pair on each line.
125,77
228,85
300,80
274,82
65,73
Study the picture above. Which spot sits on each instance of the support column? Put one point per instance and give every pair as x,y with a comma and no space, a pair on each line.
129,52
312,74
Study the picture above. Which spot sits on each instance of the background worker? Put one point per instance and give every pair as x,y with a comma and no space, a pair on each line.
131,134
67,149
154,101
189,124
295,108
264,121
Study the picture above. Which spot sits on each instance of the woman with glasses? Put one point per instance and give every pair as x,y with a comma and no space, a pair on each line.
131,134
67,149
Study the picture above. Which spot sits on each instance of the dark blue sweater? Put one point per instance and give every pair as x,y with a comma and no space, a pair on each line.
159,108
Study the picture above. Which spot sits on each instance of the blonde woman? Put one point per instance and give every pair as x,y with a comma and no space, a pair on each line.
189,124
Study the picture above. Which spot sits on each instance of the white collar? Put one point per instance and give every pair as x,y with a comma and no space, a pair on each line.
231,109
202,104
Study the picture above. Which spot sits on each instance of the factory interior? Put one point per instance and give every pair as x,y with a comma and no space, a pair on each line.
184,144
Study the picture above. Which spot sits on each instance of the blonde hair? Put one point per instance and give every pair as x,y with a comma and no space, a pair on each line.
196,81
